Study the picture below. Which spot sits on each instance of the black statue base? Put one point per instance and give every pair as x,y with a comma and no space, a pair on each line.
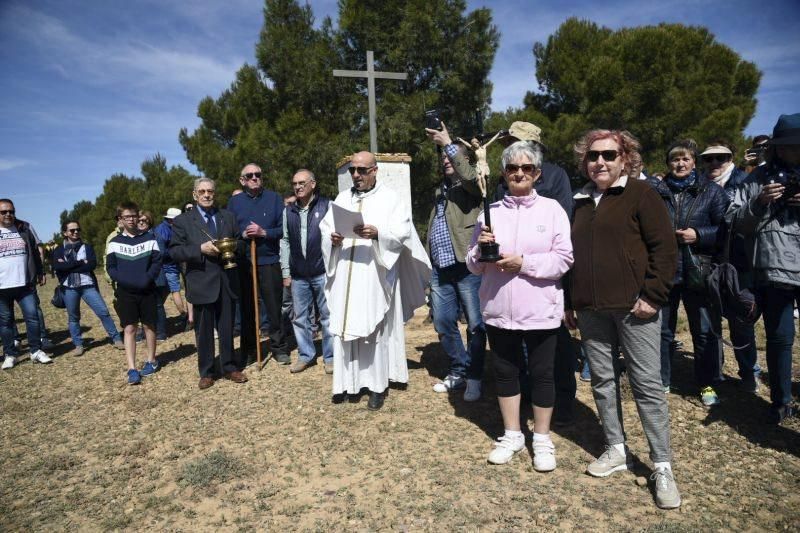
490,253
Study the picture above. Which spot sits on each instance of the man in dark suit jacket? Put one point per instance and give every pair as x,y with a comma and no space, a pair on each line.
209,287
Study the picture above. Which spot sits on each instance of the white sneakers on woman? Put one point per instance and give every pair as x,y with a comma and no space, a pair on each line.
505,448
544,455
544,452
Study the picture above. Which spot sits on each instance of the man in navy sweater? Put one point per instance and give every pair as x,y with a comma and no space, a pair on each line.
133,261
259,216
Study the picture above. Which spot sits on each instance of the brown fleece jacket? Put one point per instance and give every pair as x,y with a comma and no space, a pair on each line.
623,249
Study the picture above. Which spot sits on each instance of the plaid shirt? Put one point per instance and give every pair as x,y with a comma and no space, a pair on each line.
442,253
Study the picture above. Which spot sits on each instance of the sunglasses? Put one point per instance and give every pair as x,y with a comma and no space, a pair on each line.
526,169
252,175
8,212
360,170
608,155
74,230
720,158
143,221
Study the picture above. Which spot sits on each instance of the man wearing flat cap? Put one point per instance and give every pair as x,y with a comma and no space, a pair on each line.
766,211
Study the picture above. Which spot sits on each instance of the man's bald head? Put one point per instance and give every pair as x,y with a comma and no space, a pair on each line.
303,184
364,169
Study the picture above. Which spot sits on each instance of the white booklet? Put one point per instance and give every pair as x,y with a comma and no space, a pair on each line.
345,220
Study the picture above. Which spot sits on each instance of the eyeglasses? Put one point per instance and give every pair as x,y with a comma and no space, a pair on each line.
608,155
204,191
8,212
360,170
251,176
299,184
128,217
73,230
143,221
720,158
526,169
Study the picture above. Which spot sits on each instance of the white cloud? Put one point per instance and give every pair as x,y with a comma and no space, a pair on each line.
11,163
117,59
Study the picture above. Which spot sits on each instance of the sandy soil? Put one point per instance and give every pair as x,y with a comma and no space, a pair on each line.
81,450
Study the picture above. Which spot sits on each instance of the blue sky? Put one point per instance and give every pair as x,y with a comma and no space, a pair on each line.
94,87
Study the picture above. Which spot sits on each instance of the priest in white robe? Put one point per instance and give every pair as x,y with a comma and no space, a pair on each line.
376,277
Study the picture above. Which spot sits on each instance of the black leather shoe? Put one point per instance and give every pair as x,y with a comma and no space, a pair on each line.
375,401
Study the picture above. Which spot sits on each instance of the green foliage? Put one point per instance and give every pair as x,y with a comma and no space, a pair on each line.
159,189
659,82
290,112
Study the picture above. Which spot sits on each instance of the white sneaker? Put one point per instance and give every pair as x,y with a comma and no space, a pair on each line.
8,362
450,383
40,357
505,448
473,392
544,456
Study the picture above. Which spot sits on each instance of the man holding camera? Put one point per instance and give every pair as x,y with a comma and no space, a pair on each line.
452,220
766,211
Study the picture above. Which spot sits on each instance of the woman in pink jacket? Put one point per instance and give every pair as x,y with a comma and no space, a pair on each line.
521,298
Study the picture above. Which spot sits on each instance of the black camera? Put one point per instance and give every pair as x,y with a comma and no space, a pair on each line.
433,119
790,179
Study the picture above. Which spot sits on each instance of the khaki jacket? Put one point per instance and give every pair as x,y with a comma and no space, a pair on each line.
463,204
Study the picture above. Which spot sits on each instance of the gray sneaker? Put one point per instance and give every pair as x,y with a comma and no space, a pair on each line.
609,462
667,495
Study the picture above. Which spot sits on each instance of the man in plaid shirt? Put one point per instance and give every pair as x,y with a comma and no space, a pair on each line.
453,287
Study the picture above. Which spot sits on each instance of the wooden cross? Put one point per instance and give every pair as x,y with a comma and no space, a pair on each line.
370,74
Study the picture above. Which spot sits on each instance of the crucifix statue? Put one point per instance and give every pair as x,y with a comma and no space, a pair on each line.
371,74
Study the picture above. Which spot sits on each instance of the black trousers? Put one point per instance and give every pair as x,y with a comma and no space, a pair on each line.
509,361
270,285
206,317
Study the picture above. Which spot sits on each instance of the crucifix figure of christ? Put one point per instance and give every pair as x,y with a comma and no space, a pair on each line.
371,74
481,166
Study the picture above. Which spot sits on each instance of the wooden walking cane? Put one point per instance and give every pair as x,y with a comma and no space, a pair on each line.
255,302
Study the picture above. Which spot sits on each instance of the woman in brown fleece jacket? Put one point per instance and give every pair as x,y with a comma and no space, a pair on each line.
625,258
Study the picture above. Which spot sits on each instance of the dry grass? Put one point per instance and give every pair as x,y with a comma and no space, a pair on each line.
84,451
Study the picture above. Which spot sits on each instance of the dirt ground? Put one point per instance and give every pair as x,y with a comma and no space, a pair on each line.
82,450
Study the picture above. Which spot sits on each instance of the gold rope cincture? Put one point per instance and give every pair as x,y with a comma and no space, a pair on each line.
349,276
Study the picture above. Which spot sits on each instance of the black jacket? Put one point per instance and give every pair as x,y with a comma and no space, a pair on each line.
64,268
701,206
206,279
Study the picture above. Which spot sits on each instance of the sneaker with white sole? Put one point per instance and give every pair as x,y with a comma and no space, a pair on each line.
40,357
709,396
473,391
667,495
8,362
610,461
505,448
450,383
544,456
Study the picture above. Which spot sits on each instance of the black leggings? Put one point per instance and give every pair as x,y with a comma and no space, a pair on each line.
506,345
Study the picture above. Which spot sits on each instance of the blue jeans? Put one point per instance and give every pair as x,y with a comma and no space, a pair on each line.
706,344
777,304
26,298
743,335
305,292
455,288
90,295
